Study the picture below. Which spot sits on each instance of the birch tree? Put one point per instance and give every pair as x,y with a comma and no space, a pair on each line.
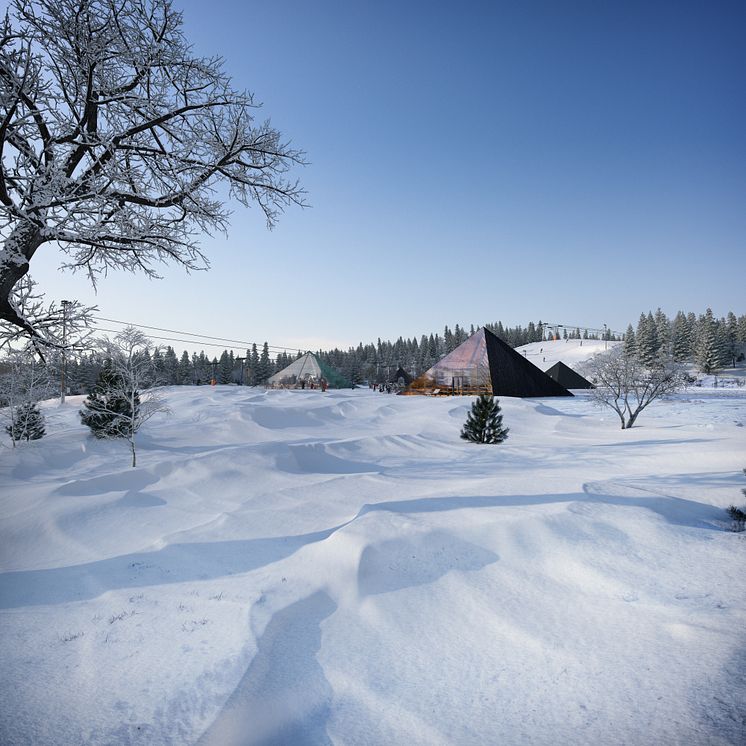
627,385
121,406
117,143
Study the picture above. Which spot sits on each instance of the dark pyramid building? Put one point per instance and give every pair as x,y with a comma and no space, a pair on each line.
401,375
568,378
486,364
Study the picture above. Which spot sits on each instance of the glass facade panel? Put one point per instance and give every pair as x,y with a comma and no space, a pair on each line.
465,370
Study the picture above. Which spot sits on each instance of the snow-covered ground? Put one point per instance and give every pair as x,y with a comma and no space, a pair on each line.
297,567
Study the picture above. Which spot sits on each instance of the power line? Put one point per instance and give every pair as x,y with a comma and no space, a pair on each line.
241,342
197,343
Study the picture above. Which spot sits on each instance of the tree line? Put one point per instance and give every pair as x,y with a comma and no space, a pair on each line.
367,362
705,340
709,342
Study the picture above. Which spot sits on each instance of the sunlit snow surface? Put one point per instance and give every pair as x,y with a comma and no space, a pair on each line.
296,567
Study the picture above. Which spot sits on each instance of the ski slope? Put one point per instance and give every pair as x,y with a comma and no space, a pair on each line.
572,352
304,568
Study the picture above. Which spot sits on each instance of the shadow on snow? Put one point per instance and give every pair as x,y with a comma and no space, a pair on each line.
178,563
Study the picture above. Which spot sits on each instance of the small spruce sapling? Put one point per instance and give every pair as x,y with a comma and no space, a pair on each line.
27,423
738,515
484,423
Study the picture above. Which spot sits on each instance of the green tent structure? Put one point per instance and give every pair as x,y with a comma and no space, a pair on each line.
484,364
305,371
567,377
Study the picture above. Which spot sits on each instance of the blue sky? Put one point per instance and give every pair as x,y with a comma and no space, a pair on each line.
576,162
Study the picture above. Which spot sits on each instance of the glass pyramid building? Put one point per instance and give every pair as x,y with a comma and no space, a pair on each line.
484,364
306,370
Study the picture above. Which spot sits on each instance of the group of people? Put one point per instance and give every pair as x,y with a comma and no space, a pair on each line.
322,383
389,388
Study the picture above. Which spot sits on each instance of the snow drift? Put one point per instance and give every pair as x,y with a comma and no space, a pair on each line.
298,567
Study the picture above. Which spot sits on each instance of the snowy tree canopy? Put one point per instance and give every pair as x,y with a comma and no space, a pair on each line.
114,139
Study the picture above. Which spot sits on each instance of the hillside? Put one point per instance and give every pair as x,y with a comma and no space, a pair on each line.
572,352
298,567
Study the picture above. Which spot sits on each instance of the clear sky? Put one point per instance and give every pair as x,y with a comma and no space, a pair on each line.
576,162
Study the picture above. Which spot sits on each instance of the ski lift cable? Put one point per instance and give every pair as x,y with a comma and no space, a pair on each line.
548,324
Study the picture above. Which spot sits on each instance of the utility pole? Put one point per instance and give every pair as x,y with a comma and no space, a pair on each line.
63,385
241,360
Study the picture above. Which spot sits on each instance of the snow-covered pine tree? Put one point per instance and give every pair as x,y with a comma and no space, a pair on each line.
731,324
425,360
265,365
159,367
225,368
432,348
662,332
201,368
184,372
24,381
107,410
27,422
723,344
708,357
630,342
647,339
253,366
170,367
448,340
484,423
681,337
741,334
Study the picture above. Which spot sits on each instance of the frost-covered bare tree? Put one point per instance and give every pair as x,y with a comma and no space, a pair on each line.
626,385
118,145
120,406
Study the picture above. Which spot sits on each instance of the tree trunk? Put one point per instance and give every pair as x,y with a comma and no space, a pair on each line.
134,454
630,421
633,417
15,255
